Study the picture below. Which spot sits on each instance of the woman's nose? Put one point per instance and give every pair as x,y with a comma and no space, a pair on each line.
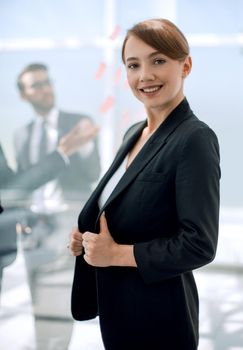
146,74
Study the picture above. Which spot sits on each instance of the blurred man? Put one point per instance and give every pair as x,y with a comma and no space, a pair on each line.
36,88
15,186
52,204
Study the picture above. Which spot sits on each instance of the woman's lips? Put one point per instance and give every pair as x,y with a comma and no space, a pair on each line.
151,89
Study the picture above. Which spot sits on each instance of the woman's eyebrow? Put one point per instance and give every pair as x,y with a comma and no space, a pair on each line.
151,55
131,59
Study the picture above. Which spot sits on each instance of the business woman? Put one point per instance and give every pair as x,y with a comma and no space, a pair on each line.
153,218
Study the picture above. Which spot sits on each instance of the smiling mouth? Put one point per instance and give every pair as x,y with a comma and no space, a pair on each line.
151,90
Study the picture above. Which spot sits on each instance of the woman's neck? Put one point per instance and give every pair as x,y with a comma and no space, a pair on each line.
156,116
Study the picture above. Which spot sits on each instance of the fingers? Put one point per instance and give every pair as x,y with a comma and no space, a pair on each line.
76,242
95,246
103,224
81,133
88,134
85,123
89,242
76,234
79,241
86,130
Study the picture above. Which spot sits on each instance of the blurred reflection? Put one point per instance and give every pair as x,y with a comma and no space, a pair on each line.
8,240
57,164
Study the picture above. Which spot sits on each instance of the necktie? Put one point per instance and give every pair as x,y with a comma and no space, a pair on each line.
43,141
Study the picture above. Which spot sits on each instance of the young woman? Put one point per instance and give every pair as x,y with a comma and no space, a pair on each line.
153,218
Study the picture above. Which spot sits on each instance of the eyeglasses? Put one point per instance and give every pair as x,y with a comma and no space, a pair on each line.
38,85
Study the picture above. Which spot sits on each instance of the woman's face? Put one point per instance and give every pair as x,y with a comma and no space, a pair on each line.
155,79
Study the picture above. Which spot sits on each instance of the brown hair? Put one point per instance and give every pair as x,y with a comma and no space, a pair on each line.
33,67
162,35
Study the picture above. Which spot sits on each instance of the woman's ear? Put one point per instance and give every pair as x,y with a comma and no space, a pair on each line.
187,66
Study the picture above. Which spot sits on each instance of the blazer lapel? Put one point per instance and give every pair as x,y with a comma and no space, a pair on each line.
61,125
130,140
149,150
147,153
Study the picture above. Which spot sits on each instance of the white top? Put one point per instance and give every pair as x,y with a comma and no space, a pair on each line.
112,183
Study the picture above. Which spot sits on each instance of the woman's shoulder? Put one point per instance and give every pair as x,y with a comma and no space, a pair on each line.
194,126
196,134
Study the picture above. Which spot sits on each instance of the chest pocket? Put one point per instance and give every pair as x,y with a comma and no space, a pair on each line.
152,177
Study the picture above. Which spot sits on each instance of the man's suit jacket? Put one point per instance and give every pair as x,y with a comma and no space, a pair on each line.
81,172
167,205
31,178
14,187
6,172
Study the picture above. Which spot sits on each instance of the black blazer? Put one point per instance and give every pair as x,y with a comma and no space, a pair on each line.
80,174
167,205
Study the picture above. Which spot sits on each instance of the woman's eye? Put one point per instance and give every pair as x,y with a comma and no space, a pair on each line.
159,61
132,66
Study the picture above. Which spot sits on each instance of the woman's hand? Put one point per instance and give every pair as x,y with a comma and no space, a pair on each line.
76,242
100,249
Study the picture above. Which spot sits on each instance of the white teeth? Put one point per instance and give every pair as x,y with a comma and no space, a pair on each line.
152,89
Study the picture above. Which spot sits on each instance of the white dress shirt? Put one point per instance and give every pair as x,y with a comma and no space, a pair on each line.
49,198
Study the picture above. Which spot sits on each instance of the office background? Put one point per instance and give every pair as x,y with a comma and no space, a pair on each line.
80,42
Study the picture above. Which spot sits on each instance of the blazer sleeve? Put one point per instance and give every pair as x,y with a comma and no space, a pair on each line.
197,213
6,173
38,174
